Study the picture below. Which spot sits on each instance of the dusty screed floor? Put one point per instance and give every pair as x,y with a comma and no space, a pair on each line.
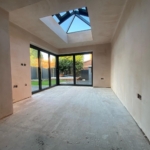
71,118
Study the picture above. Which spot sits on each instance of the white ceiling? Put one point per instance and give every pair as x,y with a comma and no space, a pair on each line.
104,16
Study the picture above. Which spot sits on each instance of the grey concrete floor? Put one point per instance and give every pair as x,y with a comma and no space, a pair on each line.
71,118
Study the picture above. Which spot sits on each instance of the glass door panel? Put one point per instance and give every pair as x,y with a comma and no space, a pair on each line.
83,69
53,69
44,70
34,70
66,75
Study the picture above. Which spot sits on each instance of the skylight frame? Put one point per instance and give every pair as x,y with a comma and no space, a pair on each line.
71,24
79,12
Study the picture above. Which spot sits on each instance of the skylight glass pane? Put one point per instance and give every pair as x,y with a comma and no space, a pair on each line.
71,11
86,18
78,25
56,19
65,25
62,13
76,9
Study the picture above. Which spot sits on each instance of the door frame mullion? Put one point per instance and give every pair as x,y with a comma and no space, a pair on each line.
74,69
49,70
57,70
39,66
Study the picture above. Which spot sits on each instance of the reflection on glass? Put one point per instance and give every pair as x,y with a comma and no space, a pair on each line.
66,75
83,67
34,69
44,70
53,69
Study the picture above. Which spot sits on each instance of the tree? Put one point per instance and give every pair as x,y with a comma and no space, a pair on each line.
66,64
78,64
34,57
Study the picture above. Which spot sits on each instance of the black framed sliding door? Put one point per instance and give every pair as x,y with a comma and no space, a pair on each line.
53,70
43,69
66,69
83,69
76,69
34,64
48,69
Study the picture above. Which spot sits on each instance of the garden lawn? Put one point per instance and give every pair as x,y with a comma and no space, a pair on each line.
44,82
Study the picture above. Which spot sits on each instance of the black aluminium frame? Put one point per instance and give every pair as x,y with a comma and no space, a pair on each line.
39,68
74,71
57,68
79,12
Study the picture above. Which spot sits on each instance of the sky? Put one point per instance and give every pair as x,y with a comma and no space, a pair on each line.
87,57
